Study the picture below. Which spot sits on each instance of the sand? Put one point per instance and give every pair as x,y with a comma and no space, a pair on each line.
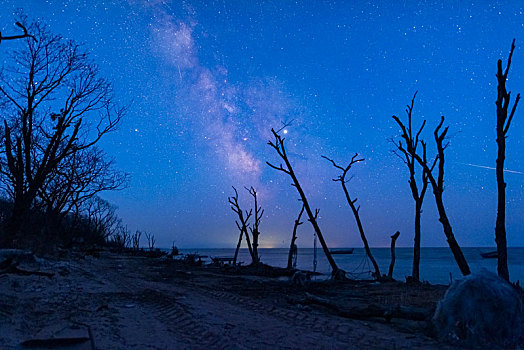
129,302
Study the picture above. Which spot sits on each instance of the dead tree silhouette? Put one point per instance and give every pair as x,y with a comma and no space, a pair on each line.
438,189
255,232
278,146
342,179
407,154
242,226
292,246
20,36
393,257
57,106
503,123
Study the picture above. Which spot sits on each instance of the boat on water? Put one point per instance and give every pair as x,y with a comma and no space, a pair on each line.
489,255
342,251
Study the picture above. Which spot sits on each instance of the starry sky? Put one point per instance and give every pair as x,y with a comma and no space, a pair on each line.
207,80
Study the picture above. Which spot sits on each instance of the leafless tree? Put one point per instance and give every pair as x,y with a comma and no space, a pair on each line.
278,146
292,246
150,240
342,179
503,124
100,218
255,232
56,106
135,238
81,176
121,238
407,152
242,226
438,189
20,36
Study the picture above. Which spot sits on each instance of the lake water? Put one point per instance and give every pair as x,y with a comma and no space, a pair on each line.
436,264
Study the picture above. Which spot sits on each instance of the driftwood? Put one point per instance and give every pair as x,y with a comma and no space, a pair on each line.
363,310
9,267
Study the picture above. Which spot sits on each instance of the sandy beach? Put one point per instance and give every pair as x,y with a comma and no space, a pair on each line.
129,302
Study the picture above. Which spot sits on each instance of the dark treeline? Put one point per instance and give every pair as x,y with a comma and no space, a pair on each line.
55,109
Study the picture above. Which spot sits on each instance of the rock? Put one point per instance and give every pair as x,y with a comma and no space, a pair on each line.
480,310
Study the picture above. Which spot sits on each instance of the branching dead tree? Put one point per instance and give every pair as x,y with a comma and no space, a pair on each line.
20,36
292,246
278,146
255,232
438,189
242,226
503,124
393,257
406,152
150,240
136,240
342,179
56,106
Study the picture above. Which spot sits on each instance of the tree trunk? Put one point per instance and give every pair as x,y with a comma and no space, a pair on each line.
450,237
249,247
316,228
392,263
361,230
293,239
415,273
255,247
238,248
500,229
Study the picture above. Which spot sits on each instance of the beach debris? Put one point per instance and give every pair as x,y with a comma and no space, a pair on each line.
300,278
221,260
481,310
10,266
17,255
69,338
364,310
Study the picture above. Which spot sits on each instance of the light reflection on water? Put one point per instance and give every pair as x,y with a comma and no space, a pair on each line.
436,264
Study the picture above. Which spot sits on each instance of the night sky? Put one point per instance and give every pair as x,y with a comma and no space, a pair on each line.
206,81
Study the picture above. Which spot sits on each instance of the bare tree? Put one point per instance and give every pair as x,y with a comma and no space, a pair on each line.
81,176
57,106
342,179
407,154
279,147
503,123
255,232
121,238
135,238
101,219
20,36
150,240
292,246
242,226
438,189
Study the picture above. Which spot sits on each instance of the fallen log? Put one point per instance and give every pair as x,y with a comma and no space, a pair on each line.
9,267
362,310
